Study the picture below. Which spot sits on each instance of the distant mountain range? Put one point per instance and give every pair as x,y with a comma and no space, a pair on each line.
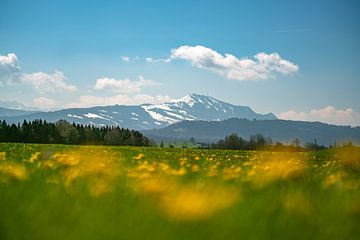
6,112
193,107
279,130
15,105
202,117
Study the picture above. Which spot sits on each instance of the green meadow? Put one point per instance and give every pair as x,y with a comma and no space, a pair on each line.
96,192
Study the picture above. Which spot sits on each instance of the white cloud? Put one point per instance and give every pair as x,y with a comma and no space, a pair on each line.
327,114
261,67
45,82
123,85
44,103
125,58
9,68
129,59
89,101
159,60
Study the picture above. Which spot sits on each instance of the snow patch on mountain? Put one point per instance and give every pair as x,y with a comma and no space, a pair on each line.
74,116
93,115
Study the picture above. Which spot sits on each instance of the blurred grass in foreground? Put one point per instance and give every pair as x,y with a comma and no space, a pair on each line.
88,192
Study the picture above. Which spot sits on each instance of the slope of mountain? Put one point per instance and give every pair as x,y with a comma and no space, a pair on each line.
148,116
134,117
278,130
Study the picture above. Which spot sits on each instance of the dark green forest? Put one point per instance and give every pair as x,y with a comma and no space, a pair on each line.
63,132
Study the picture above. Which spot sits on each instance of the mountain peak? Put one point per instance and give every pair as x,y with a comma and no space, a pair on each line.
188,99
200,96
193,98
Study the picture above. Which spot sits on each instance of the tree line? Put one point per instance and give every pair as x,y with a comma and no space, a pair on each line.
259,142
63,132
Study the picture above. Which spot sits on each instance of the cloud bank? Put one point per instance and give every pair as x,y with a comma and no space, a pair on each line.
10,73
123,85
90,100
327,114
45,103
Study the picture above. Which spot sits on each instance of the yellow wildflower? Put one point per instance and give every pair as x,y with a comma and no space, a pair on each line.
33,157
191,203
2,155
139,156
14,171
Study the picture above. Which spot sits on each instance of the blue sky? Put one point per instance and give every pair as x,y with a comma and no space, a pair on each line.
84,41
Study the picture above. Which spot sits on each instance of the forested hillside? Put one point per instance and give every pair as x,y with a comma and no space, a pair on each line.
63,132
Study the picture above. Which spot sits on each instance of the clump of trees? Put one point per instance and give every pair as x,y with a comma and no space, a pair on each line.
63,132
259,142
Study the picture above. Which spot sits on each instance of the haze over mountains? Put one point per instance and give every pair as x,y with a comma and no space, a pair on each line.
6,112
15,105
192,107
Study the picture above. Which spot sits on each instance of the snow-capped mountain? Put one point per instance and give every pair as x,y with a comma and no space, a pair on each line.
200,107
148,116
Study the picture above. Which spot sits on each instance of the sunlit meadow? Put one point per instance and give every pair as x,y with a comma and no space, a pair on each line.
88,192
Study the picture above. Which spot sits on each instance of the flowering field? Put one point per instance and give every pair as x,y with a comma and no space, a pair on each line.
92,192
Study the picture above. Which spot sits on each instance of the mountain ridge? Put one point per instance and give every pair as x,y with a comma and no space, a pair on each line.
192,107
278,129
